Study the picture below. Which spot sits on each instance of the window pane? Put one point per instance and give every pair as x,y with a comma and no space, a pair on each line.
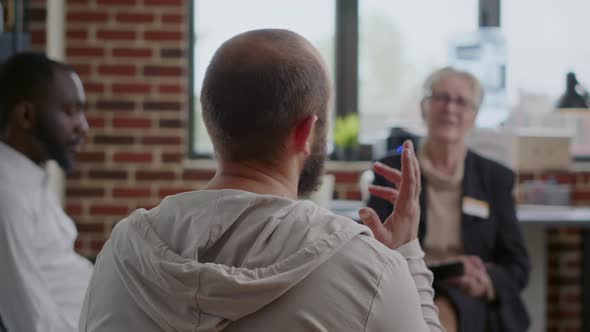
400,43
217,21
546,39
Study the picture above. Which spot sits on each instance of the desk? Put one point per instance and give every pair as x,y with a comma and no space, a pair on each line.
534,220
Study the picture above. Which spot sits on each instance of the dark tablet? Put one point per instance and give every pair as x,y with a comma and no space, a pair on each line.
442,271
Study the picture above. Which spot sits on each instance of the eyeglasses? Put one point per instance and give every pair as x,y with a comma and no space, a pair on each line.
444,99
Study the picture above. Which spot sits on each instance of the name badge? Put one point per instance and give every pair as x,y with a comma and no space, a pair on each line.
475,207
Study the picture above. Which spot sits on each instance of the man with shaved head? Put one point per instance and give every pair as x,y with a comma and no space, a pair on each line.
244,254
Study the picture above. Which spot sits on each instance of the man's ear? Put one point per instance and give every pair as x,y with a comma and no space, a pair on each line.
23,115
302,134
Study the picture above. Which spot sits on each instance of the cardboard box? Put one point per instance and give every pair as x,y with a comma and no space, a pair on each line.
542,150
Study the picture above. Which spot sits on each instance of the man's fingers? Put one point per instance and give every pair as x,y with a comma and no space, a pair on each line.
416,173
386,193
370,219
390,174
408,173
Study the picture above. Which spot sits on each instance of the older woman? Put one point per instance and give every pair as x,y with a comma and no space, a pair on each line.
467,213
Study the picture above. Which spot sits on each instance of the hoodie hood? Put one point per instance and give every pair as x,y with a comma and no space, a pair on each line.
204,259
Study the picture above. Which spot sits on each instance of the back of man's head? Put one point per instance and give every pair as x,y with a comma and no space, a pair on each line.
258,85
25,77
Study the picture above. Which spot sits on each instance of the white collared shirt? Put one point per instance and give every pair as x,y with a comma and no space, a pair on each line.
42,279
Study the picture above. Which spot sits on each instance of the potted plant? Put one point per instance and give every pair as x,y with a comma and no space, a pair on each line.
346,132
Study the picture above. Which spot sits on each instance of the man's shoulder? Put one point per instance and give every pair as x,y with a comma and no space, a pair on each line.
10,196
375,252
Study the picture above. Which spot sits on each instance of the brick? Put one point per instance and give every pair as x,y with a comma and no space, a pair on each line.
95,122
163,2
564,246
163,71
155,35
154,175
563,315
81,69
37,14
173,53
342,177
93,87
574,263
171,88
132,123
132,157
90,228
131,192
172,191
75,192
117,2
84,52
134,18
115,105
525,177
113,139
171,123
74,175
76,34
172,18
142,88
197,175
563,280
96,245
117,70
87,16
87,157
38,37
79,245
161,140
115,35
162,106
108,209
353,195
132,52
107,175
580,195
172,157
73,209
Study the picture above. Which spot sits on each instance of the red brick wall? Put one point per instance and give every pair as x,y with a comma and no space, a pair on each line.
131,56
564,258
37,14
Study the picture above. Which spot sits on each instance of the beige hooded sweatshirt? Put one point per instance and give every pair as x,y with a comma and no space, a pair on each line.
232,260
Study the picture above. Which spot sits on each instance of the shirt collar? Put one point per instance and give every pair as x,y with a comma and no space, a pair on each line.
437,178
25,170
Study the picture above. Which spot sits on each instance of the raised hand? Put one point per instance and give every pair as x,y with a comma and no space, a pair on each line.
401,226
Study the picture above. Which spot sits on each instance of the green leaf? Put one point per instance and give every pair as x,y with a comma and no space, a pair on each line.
346,130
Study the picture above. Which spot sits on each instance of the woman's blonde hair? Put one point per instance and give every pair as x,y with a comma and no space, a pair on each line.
440,74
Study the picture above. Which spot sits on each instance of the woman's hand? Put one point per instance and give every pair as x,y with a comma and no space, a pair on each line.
401,226
475,280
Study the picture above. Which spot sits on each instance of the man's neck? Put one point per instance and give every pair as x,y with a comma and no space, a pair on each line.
256,178
21,146
445,157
